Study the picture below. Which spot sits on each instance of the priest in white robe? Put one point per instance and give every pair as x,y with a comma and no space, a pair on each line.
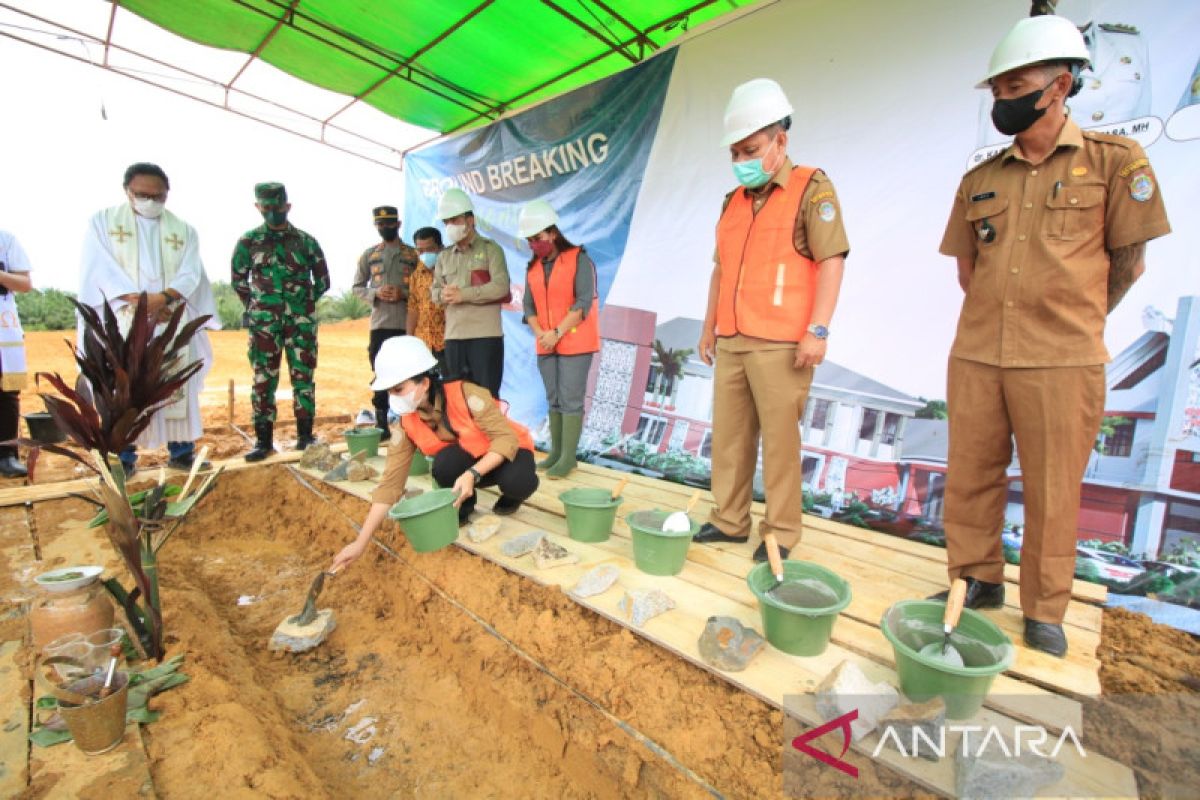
139,246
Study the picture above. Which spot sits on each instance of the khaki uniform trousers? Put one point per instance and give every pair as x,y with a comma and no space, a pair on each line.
1054,413
758,392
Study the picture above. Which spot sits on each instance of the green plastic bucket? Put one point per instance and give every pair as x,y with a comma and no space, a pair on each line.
794,630
359,440
912,624
655,551
429,520
419,465
590,513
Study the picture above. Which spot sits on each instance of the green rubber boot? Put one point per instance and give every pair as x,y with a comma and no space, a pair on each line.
555,441
572,426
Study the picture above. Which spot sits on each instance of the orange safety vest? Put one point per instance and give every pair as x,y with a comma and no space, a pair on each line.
767,287
470,437
554,302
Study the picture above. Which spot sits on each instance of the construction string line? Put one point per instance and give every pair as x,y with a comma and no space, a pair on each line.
634,733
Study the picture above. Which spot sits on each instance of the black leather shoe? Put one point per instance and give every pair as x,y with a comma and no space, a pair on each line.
711,533
506,505
980,594
1045,636
760,552
10,467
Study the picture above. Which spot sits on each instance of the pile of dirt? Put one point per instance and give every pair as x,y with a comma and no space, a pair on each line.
1149,677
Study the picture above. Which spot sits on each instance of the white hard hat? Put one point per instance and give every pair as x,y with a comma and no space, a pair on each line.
400,358
1034,40
453,203
535,217
753,106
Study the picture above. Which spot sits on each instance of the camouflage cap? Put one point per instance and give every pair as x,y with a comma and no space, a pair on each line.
385,213
270,193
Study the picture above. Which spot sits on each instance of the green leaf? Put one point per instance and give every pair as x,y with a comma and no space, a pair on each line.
47,738
143,715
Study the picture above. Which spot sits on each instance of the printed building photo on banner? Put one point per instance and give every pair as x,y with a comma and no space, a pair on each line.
634,168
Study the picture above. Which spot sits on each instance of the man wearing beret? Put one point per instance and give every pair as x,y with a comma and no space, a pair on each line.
382,281
279,273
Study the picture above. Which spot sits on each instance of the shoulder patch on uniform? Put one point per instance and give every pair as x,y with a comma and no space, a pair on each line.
826,211
1133,166
819,196
476,403
1118,27
1141,188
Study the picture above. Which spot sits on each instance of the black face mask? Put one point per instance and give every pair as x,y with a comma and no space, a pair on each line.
1016,115
390,234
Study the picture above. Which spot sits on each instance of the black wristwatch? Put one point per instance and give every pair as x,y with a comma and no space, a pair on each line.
474,472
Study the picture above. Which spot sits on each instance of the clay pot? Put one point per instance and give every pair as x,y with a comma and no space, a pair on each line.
84,611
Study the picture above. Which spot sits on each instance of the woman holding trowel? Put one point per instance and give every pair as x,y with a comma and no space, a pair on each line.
457,425
562,309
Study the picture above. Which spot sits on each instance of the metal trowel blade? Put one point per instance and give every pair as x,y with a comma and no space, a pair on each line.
309,612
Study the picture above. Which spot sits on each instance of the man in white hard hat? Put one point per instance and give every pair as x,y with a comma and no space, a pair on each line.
778,267
471,280
1048,235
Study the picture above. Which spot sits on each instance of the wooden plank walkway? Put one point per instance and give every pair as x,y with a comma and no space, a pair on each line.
1038,690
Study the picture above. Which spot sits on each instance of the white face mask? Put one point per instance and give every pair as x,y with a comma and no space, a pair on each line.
456,233
402,404
145,207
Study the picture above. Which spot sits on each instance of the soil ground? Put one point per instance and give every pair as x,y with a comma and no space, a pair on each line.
343,374
479,683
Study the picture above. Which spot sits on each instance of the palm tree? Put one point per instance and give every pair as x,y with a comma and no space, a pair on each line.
670,363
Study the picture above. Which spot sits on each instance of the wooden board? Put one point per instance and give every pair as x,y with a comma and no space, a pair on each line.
773,676
876,585
14,723
586,473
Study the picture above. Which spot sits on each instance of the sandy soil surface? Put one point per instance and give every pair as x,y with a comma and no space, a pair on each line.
343,374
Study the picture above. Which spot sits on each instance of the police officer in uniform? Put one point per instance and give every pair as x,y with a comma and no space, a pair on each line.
279,273
778,268
1048,235
381,280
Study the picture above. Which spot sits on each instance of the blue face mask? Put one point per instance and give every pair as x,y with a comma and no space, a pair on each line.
751,173
429,259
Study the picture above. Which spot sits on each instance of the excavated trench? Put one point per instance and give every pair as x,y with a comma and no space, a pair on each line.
447,676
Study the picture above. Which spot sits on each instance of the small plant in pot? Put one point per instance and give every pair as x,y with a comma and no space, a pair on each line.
128,377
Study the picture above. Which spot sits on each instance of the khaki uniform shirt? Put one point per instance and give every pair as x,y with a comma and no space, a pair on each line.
478,315
1040,237
818,235
392,268
487,415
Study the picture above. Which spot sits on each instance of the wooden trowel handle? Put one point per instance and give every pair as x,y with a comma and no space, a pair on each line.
954,603
620,487
695,498
773,556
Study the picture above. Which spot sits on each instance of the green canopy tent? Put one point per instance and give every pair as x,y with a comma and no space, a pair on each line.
440,64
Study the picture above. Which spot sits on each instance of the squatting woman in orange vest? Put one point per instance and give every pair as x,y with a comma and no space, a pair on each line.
562,309
780,254
458,425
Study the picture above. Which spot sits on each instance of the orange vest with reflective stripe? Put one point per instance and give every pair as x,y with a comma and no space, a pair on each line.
766,288
470,437
554,302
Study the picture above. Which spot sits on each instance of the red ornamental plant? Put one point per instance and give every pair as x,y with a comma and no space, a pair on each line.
131,376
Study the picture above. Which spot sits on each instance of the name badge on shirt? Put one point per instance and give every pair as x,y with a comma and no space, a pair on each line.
975,198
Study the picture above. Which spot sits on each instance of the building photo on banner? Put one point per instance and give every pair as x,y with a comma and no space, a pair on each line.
634,167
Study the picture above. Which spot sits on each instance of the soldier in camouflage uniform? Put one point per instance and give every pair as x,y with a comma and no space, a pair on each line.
279,273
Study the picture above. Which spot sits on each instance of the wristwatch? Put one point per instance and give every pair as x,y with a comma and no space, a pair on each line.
475,473
819,331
